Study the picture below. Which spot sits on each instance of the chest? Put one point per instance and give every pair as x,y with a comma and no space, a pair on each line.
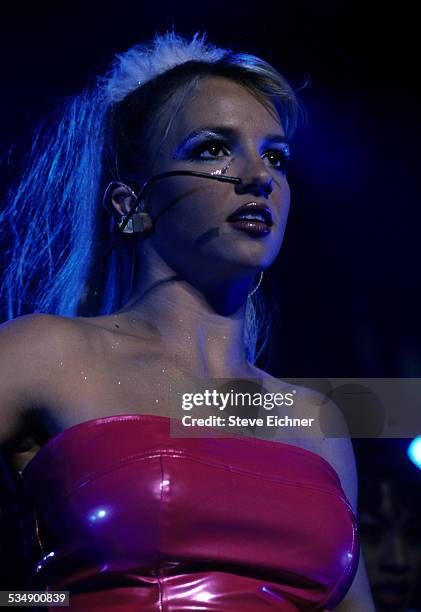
117,381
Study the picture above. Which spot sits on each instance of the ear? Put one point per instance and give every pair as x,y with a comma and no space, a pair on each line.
122,198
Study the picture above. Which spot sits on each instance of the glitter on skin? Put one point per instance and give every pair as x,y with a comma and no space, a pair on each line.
222,170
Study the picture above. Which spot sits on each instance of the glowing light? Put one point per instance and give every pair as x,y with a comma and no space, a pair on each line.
199,593
50,554
414,451
272,593
44,559
98,514
204,596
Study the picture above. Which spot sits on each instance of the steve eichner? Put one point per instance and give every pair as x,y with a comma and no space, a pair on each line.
220,400
270,420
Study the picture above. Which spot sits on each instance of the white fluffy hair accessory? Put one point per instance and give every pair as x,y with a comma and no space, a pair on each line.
144,62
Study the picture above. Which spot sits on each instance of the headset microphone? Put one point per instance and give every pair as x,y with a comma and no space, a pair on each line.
122,226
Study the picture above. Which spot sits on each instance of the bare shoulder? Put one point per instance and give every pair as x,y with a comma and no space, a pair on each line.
35,325
31,348
35,338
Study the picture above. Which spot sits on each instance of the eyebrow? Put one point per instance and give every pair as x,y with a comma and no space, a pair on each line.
223,131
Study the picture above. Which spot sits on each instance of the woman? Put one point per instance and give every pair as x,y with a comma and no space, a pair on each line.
125,516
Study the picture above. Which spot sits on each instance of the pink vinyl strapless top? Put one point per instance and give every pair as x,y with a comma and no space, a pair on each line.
132,519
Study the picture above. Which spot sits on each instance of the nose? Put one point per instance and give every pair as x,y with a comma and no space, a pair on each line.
255,179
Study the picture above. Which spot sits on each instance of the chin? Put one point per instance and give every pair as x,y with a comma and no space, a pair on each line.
251,257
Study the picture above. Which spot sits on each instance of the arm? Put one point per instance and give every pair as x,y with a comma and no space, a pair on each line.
16,377
340,454
30,349
29,346
19,370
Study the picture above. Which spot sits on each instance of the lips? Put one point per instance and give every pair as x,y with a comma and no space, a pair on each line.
252,211
253,218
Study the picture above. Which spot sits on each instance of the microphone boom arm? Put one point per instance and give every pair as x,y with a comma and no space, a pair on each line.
216,177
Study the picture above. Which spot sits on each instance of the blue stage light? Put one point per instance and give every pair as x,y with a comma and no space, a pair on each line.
414,451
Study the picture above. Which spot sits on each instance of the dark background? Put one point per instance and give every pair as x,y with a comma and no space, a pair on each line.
346,281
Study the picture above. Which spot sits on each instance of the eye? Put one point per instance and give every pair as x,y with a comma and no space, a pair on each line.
210,150
278,158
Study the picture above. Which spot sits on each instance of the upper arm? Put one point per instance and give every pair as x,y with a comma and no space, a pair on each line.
339,453
28,346
341,456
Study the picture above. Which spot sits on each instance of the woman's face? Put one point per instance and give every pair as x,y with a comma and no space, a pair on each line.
224,128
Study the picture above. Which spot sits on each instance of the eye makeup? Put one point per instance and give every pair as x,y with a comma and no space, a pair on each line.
223,139
198,153
198,137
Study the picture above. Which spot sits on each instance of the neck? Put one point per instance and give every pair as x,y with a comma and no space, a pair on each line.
204,326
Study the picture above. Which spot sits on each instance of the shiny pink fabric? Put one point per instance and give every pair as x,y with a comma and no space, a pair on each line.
130,518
